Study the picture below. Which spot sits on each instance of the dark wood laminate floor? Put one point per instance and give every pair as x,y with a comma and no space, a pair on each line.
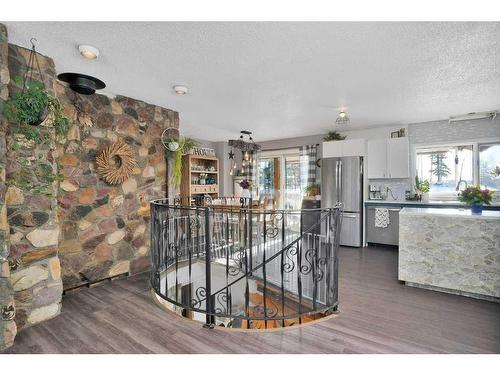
378,315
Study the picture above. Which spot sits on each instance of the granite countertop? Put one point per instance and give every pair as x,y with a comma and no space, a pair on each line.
450,204
451,212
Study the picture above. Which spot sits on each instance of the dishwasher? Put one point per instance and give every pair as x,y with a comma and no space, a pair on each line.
385,236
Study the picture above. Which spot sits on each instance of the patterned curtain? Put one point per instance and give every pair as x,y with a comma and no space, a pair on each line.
308,168
250,169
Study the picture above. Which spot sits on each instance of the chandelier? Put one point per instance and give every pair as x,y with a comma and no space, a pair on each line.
342,118
248,149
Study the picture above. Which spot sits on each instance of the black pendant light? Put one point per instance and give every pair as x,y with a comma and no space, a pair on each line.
81,83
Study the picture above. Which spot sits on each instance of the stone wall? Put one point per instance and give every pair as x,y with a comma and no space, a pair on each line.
32,215
80,229
105,228
7,324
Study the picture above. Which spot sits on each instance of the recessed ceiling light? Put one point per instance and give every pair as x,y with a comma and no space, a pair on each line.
88,52
180,90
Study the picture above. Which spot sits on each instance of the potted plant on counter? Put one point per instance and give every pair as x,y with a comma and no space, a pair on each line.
422,189
312,191
475,197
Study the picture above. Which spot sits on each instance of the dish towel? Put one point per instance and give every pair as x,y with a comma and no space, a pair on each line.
382,218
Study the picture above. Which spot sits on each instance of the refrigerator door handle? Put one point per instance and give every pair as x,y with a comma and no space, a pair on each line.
340,181
337,181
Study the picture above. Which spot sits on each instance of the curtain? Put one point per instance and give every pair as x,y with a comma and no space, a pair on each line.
308,168
250,169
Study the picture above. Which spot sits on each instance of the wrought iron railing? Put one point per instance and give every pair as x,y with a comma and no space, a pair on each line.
227,263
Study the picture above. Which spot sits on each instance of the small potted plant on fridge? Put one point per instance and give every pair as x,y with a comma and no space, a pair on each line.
475,197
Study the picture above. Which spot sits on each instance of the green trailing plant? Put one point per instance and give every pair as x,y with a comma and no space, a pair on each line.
333,136
184,146
475,196
29,106
313,190
36,179
25,109
422,186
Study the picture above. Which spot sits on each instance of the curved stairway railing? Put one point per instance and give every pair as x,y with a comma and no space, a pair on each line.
263,268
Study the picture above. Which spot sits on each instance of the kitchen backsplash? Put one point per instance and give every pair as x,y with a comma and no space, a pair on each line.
397,186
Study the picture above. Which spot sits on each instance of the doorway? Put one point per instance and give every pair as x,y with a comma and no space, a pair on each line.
280,184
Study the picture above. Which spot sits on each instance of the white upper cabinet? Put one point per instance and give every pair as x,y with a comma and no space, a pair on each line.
388,158
349,147
377,158
397,158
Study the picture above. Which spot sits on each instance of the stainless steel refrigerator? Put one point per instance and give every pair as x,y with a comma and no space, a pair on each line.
342,181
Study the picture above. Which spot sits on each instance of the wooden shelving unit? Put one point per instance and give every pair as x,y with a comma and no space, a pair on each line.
192,167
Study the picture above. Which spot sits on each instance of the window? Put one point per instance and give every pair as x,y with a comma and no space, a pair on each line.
266,176
280,181
489,166
448,169
451,168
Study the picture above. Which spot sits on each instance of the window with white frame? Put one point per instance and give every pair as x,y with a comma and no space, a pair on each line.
451,168
489,166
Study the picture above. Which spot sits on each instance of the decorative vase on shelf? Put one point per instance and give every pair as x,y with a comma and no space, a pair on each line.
425,197
476,209
245,193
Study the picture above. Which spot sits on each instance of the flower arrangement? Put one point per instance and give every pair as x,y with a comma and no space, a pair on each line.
245,184
475,196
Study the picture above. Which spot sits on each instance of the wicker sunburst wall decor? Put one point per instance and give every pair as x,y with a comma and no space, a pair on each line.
116,163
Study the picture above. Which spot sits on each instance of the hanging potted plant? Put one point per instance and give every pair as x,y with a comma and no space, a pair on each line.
33,104
175,147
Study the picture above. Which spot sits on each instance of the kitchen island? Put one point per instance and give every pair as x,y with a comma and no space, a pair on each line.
450,250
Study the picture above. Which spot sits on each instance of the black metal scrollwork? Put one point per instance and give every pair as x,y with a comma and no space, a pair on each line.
239,263
289,263
200,295
306,269
222,302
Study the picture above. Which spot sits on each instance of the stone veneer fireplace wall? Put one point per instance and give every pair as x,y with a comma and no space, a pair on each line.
7,324
86,230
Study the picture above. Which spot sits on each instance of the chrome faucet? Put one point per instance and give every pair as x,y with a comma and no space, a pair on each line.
460,182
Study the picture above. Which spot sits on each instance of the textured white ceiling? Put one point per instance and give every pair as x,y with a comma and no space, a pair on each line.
285,79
